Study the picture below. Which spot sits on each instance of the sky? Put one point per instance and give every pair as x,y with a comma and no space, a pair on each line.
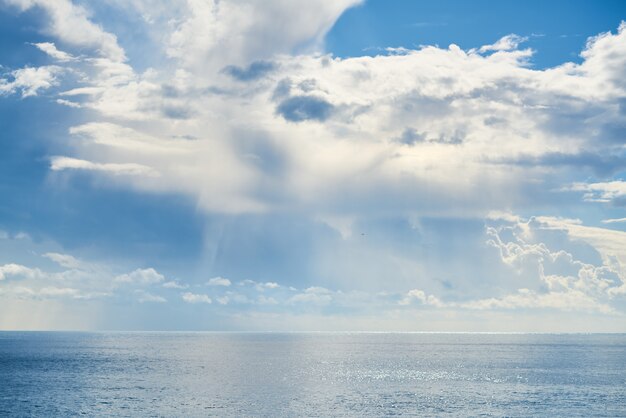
320,165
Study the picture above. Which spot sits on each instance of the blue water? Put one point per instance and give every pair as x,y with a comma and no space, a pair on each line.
222,374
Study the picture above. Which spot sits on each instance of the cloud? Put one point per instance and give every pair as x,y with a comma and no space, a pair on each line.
506,43
252,72
175,285
417,295
12,270
561,280
56,291
314,295
210,34
71,24
141,276
146,297
68,103
223,300
337,130
30,80
524,298
612,221
271,285
219,281
600,192
64,260
253,122
51,49
301,108
118,169
195,298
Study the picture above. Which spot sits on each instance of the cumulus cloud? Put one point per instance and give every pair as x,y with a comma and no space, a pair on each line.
315,295
417,295
348,135
77,280
29,80
141,276
271,285
250,116
71,24
506,43
12,270
218,281
561,280
175,285
196,298
212,33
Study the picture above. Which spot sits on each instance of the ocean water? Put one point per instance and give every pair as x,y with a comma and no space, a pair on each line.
272,375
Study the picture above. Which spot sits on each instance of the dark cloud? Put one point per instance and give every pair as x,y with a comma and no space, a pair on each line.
252,72
283,88
176,112
300,108
410,136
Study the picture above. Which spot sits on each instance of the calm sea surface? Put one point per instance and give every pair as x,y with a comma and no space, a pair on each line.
223,374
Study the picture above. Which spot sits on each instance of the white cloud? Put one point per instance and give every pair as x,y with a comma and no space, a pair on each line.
175,285
506,43
22,235
141,276
600,192
264,300
421,297
212,34
271,285
196,298
50,49
250,116
218,281
59,291
560,279
12,270
71,24
527,299
68,103
609,243
315,295
64,260
121,169
374,133
613,221
146,297
223,300
30,80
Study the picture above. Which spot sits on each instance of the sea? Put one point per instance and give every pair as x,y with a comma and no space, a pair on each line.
171,374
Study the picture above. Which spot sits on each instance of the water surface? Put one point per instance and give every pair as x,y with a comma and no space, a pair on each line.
249,374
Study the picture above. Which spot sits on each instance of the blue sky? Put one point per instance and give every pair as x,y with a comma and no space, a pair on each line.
326,165
557,29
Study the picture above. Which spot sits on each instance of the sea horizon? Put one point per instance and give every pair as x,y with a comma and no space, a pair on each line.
311,374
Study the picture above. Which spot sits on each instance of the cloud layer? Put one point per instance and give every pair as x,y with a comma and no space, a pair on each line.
416,180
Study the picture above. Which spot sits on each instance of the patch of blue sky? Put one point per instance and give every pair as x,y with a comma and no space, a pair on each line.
557,30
